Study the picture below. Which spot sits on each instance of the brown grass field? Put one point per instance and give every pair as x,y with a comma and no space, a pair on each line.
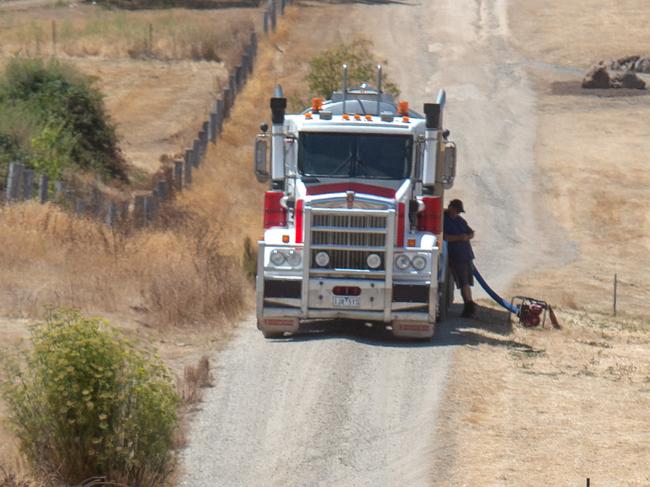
547,407
160,69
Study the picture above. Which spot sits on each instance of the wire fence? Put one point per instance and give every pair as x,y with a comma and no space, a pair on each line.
141,208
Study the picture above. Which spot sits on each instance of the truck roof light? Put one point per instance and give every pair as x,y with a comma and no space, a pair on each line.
357,116
369,118
406,119
403,107
316,104
308,116
346,116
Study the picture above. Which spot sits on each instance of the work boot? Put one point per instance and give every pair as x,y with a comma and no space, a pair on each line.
469,310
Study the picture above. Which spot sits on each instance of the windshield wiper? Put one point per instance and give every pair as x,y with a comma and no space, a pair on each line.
310,180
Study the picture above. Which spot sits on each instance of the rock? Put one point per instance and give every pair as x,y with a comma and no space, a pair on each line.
642,65
629,80
596,77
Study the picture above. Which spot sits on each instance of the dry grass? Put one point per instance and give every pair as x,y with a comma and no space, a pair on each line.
174,277
579,33
542,407
195,379
82,31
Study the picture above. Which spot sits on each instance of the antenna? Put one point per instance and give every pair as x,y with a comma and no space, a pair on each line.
379,92
345,85
278,92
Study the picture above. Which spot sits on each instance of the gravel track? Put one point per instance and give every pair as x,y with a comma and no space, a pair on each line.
351,410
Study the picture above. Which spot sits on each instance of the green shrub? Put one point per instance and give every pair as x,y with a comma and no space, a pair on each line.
326,73
86,402
57,117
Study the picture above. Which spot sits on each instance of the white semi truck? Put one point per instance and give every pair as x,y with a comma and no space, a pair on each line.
353,215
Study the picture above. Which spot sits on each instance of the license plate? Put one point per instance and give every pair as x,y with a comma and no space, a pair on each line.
347,301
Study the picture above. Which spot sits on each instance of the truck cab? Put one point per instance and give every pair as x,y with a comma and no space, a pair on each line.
353,213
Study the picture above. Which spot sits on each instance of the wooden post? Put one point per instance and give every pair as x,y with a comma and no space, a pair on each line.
111,214
615,292
163,190
139,211
178,175
274,17
282,5
187,170
28,184
13,181
196,153
54,37
150,38
206,136
267,16
213,127
224,98
79,206
151,206
220,115
43,186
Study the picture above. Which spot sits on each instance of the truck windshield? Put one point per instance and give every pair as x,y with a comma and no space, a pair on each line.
371,156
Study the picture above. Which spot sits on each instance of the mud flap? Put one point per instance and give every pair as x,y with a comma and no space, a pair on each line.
277,326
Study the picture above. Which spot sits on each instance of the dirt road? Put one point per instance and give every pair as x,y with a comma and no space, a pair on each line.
342,408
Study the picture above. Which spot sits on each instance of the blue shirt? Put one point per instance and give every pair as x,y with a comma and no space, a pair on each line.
458,251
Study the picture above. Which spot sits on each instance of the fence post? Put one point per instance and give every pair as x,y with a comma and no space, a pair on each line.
226,101
111,214
139,211
13,181
615,291
220,115
28,184
196,153
188,167
266,21
213,126
282,5
178,175
206,136
274,18
151,206
163,190
43,185
79,206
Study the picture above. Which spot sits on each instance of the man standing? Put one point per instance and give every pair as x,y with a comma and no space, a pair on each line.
458,234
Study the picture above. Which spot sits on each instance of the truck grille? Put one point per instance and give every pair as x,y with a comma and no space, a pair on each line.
348,240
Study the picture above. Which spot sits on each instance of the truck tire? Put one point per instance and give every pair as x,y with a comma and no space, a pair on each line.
445,295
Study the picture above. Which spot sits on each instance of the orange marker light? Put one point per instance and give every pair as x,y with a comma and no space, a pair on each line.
308,116
403,107
369,118
316,104
410,242
357,116
406,119
346,116
285,238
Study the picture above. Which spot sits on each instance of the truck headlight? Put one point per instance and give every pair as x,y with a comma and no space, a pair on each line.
322,259
419,262
277,258
402,262
373,261
294,258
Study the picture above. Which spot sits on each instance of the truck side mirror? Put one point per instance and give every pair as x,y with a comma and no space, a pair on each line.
261,159
449,170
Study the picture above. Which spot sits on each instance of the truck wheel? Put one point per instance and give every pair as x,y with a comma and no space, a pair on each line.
445,296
